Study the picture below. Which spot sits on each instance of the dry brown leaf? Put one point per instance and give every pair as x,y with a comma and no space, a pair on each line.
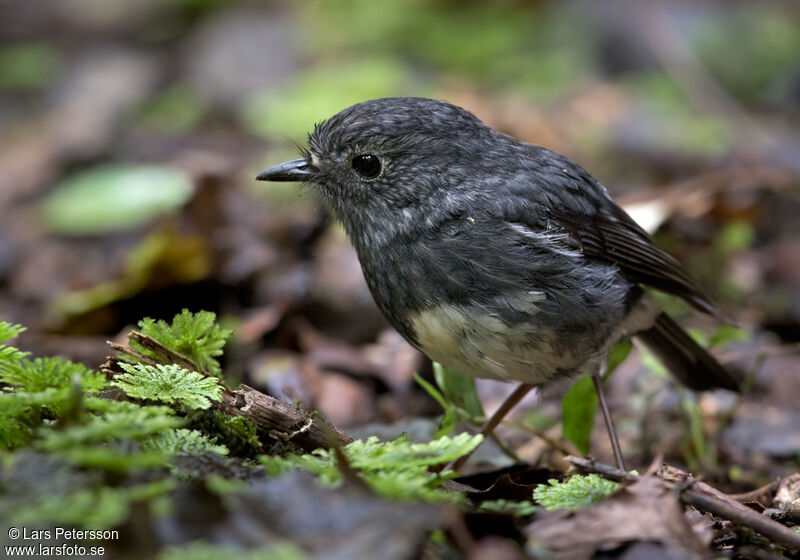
642,512
787,496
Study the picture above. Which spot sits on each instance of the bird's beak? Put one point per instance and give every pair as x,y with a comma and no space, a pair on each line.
295,170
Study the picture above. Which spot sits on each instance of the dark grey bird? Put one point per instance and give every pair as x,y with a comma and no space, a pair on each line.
497,258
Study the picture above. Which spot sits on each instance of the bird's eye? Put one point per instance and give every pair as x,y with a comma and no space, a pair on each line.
366,165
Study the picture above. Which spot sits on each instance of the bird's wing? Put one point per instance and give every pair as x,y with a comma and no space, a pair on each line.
580,207
613,236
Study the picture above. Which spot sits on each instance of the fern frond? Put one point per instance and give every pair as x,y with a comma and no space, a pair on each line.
12,404
7,332
194,335
89,508
169,384
105,442
10,330
396,469
182,442
577,492
21,413
138,423
44,373
374,454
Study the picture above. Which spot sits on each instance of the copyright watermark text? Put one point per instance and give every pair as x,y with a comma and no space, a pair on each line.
57,542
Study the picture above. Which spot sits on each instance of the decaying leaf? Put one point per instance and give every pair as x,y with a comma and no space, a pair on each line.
787,497
642,512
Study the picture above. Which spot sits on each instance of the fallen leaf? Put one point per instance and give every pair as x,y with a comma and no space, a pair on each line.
642,512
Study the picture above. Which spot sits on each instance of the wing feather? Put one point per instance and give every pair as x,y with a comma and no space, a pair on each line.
580,207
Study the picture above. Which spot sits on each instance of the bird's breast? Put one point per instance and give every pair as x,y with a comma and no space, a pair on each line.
479,343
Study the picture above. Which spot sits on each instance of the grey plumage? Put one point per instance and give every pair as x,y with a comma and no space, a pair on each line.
498,258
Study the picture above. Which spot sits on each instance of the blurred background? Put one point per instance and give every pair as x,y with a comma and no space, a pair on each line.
131,133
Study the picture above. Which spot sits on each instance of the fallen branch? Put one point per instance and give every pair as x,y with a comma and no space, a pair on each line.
307,430
702,496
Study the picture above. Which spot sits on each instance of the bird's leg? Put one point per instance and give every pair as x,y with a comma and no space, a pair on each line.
511,401
612,433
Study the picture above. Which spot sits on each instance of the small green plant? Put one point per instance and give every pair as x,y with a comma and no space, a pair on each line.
90,508
395,469
181,442
7,332
578,407
36,389
168,383
61,413
457,394
577,492
193,335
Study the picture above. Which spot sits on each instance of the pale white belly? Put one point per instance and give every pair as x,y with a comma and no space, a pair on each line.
479,344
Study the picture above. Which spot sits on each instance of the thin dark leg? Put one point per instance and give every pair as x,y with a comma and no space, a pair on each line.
510,402
612,433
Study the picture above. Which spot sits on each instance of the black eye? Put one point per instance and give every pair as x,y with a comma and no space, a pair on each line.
366,165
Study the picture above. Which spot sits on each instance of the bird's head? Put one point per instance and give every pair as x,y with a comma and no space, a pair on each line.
381,162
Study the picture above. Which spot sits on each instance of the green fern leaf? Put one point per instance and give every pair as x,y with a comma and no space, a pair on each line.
169,384
95,509
10,330
182,442
44,373
7,332
395,469
374,454
104,441
21,413
138,423
194,335
577,492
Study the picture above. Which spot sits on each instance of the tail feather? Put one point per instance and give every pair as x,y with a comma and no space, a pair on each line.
690,363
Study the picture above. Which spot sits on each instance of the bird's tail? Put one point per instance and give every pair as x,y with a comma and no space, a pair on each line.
690,363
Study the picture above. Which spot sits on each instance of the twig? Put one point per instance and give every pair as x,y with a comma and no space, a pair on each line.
705,498
305,429
607,471
166,355
757,494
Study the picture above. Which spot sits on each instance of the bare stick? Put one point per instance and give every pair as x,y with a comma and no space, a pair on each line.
759,494
305,429
510,402
607,471
612,433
